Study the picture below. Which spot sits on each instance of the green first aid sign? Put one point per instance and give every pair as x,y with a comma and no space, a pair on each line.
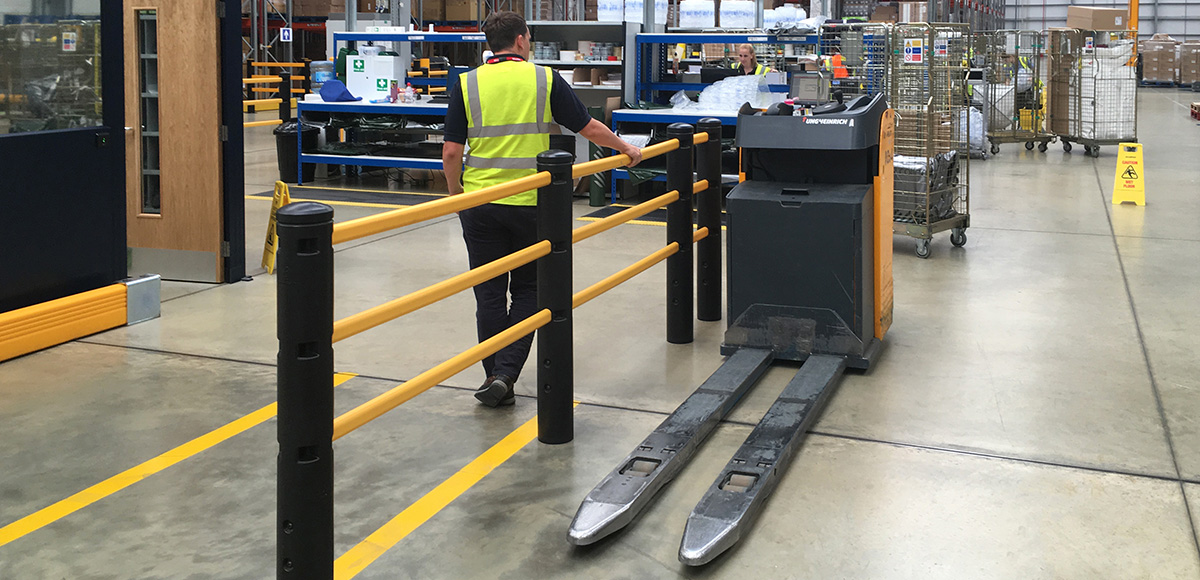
360,65
381,84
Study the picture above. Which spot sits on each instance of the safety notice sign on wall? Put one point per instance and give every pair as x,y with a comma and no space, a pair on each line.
69,41
914,51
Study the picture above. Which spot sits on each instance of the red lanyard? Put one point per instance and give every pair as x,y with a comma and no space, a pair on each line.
496,59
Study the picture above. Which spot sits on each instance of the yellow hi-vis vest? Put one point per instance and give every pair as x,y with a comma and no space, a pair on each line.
508,125
759,69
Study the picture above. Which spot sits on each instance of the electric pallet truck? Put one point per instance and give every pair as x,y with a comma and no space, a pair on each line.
809,280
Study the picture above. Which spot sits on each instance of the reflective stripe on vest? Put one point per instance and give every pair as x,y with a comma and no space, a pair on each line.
508,125
758,68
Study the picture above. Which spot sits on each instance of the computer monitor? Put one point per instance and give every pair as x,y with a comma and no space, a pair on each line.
710,75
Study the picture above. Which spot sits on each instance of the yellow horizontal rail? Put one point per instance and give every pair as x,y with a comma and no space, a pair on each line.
272,90
592,167
699,186
602,225
262,101
260,80
279,64
398,218
700,234
372,317
582,297
263,123
370,225
373,409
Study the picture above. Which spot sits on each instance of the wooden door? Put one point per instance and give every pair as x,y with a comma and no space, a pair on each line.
173,140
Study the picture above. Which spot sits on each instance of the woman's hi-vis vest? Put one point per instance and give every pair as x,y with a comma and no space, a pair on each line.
839,67
508,125
758,68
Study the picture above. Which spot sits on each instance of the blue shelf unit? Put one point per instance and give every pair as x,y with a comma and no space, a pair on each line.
437,111
651,64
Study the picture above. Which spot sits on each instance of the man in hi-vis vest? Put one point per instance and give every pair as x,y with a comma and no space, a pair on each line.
504,110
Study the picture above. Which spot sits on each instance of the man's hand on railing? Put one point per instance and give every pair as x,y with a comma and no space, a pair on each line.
634,153
598,133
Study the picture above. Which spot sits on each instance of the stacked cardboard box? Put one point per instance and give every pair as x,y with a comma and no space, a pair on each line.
1086,18
1159,64
1189,62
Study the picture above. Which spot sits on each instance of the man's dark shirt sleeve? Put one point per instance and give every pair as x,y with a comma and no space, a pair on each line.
565,107
456,117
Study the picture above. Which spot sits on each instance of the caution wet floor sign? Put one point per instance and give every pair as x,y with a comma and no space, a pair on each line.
1129,186
271,247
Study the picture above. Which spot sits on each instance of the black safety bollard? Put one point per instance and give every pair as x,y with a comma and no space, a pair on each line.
708,215
306,82
304,323
285,95
249,89
556,363
679,230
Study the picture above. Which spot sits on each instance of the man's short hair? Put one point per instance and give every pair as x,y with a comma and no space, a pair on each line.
503,28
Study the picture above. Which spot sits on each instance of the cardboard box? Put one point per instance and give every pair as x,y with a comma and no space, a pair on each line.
1189,62
433,10
1087,18
462,10
886,14
582,76
1159,63
914,11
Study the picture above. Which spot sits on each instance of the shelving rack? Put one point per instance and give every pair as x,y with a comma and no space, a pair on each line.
651,61
570,32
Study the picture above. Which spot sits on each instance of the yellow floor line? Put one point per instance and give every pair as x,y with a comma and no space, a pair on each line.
327,202
359,557
133,475
428,193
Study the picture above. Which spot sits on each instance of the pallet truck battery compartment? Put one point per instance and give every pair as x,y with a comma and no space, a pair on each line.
809,280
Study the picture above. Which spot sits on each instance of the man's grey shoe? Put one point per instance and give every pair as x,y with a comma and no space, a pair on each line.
496,392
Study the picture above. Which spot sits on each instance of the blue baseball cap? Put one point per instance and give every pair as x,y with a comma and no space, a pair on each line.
334,91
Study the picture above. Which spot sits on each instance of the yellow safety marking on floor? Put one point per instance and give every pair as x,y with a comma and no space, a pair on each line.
427,193
367,551
53,513
349,203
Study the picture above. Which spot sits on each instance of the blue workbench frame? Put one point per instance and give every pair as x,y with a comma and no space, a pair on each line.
398,109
